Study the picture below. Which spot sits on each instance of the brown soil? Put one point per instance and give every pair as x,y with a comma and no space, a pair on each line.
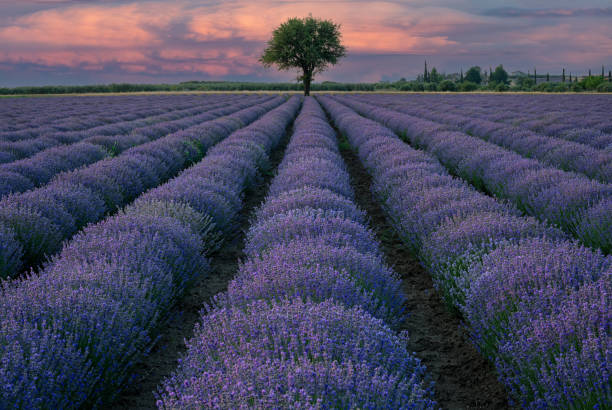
464,379
162,361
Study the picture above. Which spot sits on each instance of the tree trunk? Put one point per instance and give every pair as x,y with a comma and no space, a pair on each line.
307,78
307,86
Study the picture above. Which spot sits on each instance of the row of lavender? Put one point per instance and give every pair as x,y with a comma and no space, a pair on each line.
147,126
578,205
31,113
579,121
26,118
537,304
562,154
579,118
302,324
39,169
582,119
34,223
72,334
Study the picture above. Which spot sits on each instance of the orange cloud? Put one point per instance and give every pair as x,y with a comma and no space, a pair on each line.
225,38
139,34
362,32
95,26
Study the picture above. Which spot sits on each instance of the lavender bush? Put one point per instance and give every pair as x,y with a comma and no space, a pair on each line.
549,194
72,333
564,154
296,355
298,322
536,303
43,217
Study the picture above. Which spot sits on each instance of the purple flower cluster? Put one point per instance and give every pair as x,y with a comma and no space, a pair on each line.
123,117
71,334
541,311
303,323
41,167
562,198
566,155
43,217
583,119
295,354
28,118
536,303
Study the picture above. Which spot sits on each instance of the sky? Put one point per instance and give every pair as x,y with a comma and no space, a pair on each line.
150,41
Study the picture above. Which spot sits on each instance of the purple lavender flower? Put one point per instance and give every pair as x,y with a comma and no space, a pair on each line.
296,354
72,334
309,197
308,224
11,252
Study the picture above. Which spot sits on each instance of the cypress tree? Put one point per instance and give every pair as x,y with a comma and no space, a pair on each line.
547,77
535,76
563,76
610,76
426,74
589,73
570,77
602,73
461,78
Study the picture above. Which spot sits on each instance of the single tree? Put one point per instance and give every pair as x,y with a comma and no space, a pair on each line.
473,75
461,76
434,77
535,76
563,76
499,76
570,77
547,77
426,73
589,73
308,44
610,76
602,72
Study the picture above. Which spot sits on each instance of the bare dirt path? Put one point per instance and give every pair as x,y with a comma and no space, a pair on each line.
464,379
163,359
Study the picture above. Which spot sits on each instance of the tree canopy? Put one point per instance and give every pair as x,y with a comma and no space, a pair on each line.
499,76
473,75
308,44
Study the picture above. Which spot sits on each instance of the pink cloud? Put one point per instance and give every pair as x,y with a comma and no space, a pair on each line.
225,38
95,26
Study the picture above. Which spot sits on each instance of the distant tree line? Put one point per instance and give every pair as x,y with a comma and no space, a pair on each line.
186,86
498,79
474,79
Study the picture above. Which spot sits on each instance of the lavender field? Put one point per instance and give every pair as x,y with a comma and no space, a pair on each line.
339,251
